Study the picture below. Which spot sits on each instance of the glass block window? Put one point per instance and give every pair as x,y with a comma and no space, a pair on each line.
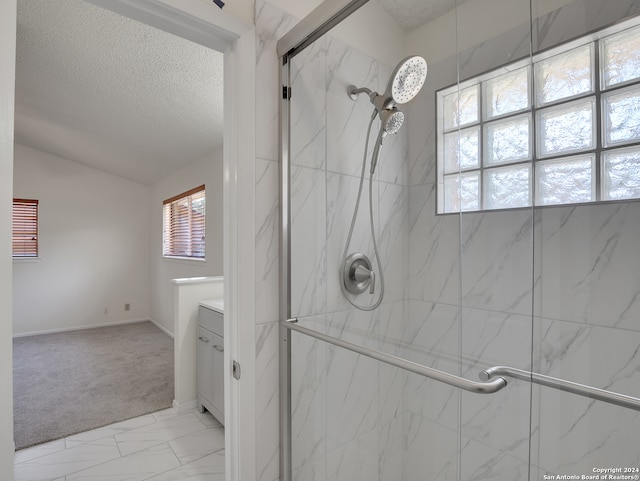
565,75
622,116
560,128
621,174
508,140
567,180
507,187
507,93
621,58
461,108
568,127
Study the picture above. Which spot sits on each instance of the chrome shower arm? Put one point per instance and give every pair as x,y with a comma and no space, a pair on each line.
354,91
379,101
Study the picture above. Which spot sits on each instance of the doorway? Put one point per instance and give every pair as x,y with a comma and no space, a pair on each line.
198,22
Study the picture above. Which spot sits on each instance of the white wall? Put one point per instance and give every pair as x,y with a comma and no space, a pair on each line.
105,250
360,30
466,26
93,246
208,171
7,98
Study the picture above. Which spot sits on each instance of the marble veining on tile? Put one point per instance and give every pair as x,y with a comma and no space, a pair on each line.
267,255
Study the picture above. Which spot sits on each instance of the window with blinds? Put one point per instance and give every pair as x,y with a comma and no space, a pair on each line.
25,228
184,225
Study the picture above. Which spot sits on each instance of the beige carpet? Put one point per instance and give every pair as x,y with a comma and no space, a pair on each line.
70,382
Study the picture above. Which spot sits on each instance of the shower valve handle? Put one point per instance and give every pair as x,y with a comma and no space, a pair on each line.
362,274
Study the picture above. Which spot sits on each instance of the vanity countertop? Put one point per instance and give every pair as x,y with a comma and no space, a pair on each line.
214,304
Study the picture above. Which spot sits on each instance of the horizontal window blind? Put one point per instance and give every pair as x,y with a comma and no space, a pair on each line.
184,224
25,228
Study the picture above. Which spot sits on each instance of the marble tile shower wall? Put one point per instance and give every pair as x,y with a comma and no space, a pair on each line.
342,402
469,307
587,312
271,23
460,296
491,286
586,301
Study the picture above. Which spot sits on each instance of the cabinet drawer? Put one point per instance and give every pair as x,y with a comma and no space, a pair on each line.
211,320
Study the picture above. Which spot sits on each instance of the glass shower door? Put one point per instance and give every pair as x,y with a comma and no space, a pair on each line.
493,126
485,263
586,282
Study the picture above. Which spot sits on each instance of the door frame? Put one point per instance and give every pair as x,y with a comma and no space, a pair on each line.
207,25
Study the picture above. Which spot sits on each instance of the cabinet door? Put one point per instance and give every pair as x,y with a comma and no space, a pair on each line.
205,363
218,373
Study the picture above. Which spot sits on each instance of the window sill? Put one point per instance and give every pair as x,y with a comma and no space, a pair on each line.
25,260
184,260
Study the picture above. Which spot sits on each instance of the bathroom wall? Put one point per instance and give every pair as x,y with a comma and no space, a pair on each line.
475,278
469,305
93,246
586,303
271,23
341,401
471,281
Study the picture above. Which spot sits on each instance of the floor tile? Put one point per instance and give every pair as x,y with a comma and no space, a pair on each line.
207,418
110,430
167,414
209,468
163,431
195,446
163,446
135,467
62,463
39,450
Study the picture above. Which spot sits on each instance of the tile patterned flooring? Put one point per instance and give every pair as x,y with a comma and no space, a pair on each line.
163,446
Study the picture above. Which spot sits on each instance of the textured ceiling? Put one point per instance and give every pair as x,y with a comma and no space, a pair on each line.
111,93
411,14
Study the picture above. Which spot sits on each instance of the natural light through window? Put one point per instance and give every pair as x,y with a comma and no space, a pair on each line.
563,129
25,228
184,225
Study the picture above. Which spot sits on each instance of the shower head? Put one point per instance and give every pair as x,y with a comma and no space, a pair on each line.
392,120
406,81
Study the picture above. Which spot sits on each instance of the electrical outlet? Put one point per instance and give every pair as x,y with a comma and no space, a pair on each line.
106,310
127,307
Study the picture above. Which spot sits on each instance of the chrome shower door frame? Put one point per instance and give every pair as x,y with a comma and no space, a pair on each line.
285,274
308,30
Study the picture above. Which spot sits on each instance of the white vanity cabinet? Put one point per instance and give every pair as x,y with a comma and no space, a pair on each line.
211,359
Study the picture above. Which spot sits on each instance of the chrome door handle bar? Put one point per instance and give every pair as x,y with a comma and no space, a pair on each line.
563,385
487,387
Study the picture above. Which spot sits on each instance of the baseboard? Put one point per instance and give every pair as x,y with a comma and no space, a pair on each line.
163,329
90,326
185,406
